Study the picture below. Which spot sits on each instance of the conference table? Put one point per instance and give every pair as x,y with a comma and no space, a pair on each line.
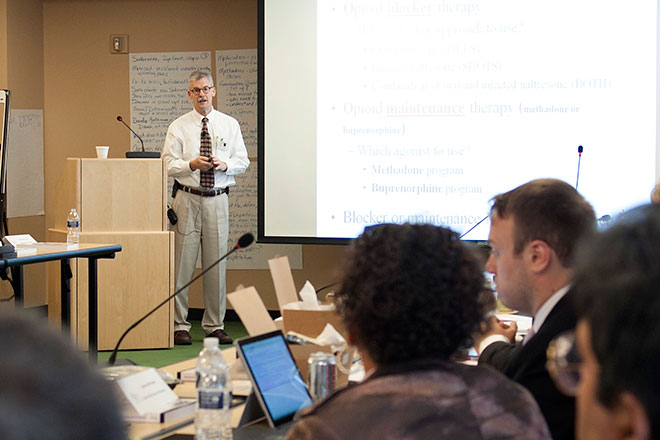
45,252
185,427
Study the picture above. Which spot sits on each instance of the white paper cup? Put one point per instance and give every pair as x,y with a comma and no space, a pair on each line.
102,151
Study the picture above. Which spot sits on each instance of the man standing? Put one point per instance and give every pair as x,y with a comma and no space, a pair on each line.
534,231
204,150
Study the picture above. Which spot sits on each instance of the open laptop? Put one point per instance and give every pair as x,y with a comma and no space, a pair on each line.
278,389
276,381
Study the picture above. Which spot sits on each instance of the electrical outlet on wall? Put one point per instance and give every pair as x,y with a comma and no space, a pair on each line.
119,44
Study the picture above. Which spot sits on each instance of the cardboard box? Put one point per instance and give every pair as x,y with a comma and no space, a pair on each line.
311,322
285,289
251,310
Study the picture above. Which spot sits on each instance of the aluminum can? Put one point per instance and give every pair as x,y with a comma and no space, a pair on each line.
322,374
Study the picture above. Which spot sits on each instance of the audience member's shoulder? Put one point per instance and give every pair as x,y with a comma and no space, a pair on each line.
49,390
458,400
324,419
505,409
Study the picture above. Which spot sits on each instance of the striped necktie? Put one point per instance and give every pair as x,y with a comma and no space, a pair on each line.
207,177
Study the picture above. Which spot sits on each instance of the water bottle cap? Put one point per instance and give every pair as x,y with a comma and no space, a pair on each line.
211,342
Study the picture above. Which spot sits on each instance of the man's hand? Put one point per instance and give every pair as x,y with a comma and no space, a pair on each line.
219,165
495,327
201,163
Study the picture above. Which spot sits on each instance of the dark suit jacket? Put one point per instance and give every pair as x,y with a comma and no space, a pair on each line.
525,364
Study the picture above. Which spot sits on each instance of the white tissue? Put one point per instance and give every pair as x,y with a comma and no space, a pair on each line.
308,295
330,336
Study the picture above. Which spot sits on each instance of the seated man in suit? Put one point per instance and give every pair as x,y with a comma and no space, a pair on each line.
409,301
48,390
534,231
617,290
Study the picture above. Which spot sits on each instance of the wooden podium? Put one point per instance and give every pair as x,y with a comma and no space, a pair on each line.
119,201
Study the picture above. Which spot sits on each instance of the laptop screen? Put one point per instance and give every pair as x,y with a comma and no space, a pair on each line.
275,376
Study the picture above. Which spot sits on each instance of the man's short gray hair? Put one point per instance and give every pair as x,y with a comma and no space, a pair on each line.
198,74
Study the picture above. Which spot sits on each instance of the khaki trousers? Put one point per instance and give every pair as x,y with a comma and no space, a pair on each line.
203,221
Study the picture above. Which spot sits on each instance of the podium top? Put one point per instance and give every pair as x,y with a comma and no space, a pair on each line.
114,195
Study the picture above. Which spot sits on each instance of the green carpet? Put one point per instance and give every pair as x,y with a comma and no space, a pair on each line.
166,356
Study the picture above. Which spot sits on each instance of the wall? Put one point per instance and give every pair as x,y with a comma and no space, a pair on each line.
86,87
22,72
3,44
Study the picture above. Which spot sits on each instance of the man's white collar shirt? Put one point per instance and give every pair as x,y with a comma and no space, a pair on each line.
182,145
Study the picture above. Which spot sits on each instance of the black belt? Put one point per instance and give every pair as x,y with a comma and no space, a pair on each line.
199,192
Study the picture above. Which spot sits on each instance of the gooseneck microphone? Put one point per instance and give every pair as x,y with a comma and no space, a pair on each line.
477,224
120,119
243,242
327,286
139,154
580,150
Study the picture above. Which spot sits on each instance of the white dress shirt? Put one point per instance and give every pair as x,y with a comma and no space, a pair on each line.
182,145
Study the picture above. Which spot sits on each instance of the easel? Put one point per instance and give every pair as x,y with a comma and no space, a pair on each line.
6,250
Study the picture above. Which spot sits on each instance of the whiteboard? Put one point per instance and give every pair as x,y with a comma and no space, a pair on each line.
25,163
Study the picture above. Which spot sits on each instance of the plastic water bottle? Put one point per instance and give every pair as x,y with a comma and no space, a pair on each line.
73,227
212,420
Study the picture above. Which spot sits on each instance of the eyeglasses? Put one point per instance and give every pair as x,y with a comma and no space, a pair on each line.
204,89
563,363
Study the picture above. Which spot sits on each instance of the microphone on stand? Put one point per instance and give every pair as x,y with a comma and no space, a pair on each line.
139,154
580,150
243,242
477,224
327,286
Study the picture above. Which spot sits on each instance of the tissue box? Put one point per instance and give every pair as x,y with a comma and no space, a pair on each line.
311,322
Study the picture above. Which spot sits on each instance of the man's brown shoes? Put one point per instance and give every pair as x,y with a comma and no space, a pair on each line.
182,337
222,336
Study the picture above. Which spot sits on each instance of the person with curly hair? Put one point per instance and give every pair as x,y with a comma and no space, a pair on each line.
409,299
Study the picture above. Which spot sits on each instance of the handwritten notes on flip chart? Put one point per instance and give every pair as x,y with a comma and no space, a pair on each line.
25,163
236,78
159,84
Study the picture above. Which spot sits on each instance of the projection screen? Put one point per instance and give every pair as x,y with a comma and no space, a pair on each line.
421,111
